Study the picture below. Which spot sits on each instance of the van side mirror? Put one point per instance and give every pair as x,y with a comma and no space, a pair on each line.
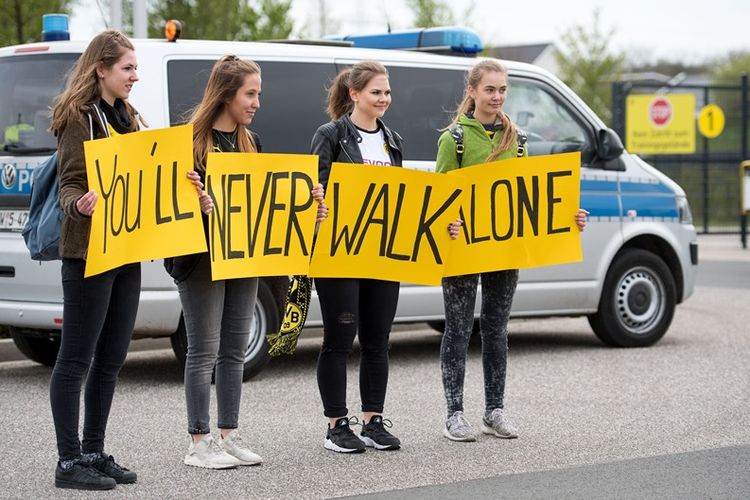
608,145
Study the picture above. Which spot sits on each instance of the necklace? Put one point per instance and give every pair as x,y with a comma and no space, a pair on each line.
230,139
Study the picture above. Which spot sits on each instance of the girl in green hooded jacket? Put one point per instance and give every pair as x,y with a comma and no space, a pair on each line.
488,135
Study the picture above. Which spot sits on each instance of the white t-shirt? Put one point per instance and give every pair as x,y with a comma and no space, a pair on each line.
374,148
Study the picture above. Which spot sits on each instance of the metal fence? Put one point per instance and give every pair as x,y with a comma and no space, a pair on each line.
710,176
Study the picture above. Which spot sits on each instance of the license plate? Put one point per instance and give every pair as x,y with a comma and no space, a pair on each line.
13,220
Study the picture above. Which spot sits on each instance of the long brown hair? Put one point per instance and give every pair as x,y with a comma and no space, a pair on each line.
473,77
84,87
227,77
355,78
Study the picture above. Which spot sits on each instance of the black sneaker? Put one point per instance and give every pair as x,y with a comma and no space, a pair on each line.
376,436
106,465
82,477
342,439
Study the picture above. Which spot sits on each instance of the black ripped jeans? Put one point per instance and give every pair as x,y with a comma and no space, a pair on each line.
349,306
459,296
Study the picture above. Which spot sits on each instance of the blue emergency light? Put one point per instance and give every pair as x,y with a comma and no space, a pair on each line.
451,39
55,27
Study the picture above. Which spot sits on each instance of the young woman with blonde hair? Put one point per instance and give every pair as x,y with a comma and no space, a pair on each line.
218,314
488,135
357,100
99,311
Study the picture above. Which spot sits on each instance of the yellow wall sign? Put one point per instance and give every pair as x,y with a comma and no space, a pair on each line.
264,215
711,121
386,223
660,124
146,208
518,213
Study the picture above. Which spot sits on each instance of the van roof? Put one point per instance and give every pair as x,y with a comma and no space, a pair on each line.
261,50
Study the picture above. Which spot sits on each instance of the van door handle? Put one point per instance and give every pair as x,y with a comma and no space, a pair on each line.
7,272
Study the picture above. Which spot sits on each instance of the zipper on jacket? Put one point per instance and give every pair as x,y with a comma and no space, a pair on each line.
341,144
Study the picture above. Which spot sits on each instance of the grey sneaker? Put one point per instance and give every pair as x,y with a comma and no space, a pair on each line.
207,454
498,425
233,445
457,428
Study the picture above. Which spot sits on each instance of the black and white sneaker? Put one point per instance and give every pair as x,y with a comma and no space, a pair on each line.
375,435
80,476
342,439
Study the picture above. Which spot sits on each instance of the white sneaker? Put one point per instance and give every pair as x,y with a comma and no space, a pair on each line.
498,425
457,428
207,454
233,445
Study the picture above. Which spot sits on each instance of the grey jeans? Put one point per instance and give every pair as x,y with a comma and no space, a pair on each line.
459,296
218,316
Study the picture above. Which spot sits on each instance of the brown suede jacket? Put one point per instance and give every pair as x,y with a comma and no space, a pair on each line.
71,169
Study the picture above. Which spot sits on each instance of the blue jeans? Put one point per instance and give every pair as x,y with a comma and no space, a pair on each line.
218,316
98,318
459,296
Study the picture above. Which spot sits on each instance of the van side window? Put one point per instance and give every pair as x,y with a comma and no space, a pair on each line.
424,100
551,128
292,102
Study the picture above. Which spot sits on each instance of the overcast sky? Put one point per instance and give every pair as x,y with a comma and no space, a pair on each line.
676,30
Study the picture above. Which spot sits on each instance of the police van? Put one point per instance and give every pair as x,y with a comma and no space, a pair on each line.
639,248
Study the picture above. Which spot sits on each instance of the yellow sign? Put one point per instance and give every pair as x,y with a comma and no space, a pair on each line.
711,121
660,124
518,213
264,215
386,223
147,207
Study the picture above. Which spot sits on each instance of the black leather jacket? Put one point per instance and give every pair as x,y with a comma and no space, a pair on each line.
338,141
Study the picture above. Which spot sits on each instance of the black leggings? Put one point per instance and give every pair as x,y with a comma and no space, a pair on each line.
98,319
348,305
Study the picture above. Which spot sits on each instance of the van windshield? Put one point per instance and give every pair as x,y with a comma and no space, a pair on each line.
28,85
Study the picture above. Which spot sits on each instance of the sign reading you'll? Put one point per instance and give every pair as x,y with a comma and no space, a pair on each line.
660,124
146,208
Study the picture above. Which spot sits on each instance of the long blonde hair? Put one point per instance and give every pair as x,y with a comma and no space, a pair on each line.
84,87
227,77
473,77
355,78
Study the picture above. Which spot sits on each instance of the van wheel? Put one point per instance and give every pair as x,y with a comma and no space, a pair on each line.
39,346
637,303
265,321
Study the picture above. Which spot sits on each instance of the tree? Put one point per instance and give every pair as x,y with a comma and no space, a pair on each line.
588,66
727,71
22,19
429,13
224,19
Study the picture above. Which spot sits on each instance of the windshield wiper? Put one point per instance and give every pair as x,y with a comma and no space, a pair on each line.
20,150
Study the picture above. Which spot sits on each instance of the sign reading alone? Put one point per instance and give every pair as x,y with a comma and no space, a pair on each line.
660,124
146,203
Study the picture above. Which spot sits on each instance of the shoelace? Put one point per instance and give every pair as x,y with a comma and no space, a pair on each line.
115,465
354,421
461,422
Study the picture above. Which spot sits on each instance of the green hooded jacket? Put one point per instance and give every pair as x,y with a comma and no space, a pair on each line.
477,146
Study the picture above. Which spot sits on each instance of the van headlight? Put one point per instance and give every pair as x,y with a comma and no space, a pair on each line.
683,208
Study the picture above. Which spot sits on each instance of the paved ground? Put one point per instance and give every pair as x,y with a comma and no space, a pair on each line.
593,420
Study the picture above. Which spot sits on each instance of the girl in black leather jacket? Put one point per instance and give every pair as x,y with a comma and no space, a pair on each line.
357,100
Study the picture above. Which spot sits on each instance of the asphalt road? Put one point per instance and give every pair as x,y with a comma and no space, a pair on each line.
669,421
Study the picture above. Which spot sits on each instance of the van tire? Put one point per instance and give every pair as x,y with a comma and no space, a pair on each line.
637,302
37,345
265,320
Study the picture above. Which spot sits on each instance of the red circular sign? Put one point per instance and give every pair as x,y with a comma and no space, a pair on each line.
660,111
